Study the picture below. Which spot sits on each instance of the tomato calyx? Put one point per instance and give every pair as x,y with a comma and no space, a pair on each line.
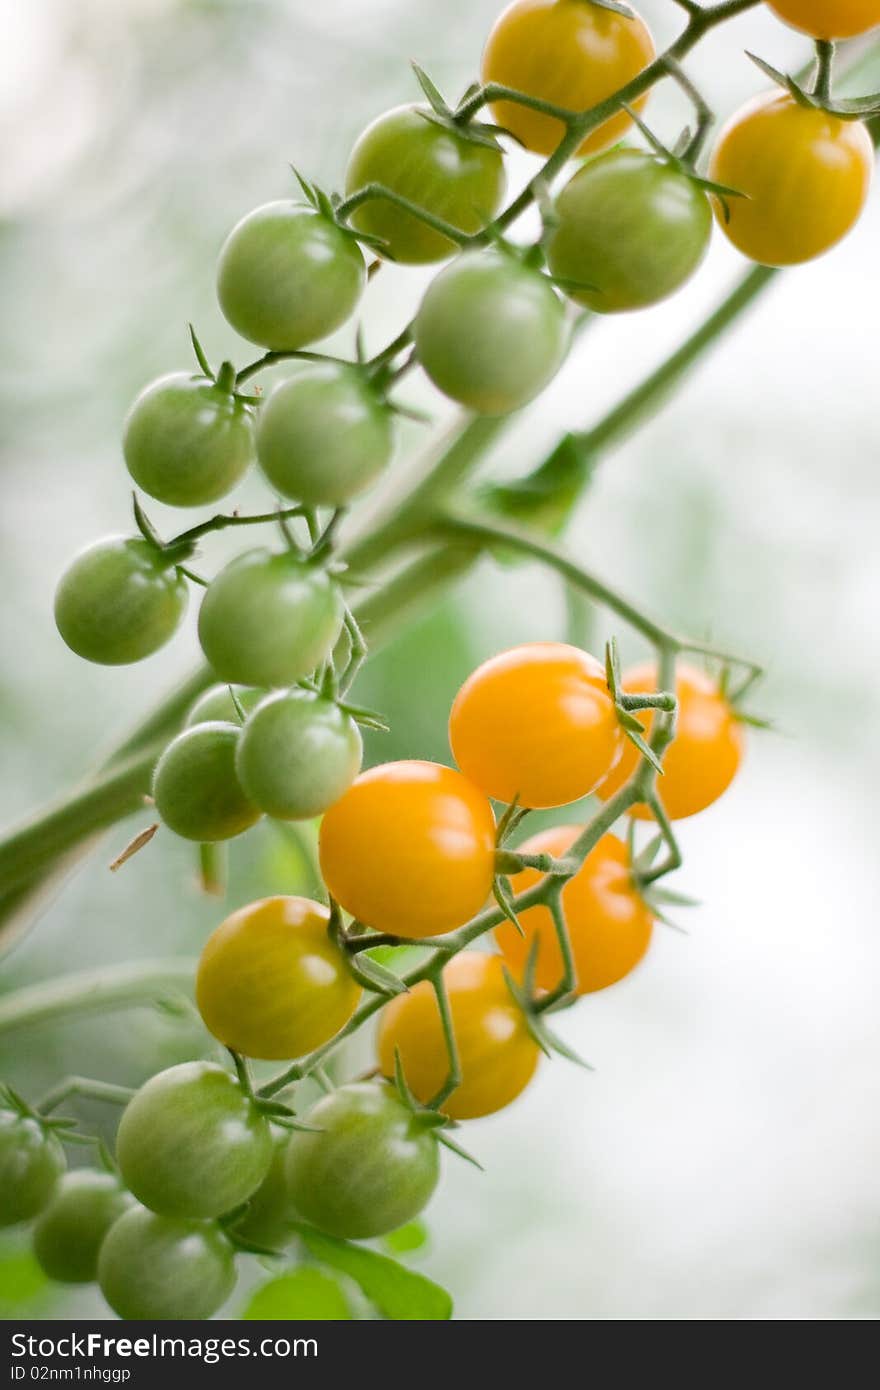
682,159
458,120
535,1004
735,694
626,704
428,1117
354,941
327,205
62,1127
818,97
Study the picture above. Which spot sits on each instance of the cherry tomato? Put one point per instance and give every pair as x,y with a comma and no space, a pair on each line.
68,1234
490,332
703,758
440,169
497,1054
161,1268
370,1166
31,1163
215,705
288,276
631,226
186,441
196,787
117,602
269,619
297,754
806,176
829,19
609,926
270,1217
271,983
570,53
191,1143
536,723
410,849
324,436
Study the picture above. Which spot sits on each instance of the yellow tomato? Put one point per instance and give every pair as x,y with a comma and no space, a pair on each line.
570,53
410,849
609,926
703,758
829,19
537,722
271,983
497,1054
805,176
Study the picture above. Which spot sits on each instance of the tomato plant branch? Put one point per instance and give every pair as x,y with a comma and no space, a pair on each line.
83,1086
107,987
221,522
373,192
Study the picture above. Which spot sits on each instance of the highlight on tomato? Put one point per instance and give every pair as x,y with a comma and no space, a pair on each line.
805,175
703,758
497,1054
410,849
536,724
572,54
609,925
271,983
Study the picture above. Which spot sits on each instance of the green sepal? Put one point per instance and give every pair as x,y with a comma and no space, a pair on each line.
444,1139
311,193
671,897
375,977
200,354
441,114
787,83
640,863
145,526
431,91
504,898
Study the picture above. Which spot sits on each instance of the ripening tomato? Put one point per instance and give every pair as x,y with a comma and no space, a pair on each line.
369,1166
410,849
191,1143
288,276
196,787
186,441
154,1268
806,175
829,19
31,1163
297,754
439,168
69,1233
490,332
536,723
630,226
269,1217
271,983
609,926
119,601
269,619
570,53
497,1054
703,758
324,436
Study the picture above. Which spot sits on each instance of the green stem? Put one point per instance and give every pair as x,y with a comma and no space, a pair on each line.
824,70
371,192
135,983
453,1078
84,1086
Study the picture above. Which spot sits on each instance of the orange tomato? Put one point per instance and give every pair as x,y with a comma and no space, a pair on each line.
806,176
703,758
537,722
570,53
497,1054
609,926
270,981
410,849
829,19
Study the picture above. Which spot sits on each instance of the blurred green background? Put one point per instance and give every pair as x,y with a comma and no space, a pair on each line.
722,1161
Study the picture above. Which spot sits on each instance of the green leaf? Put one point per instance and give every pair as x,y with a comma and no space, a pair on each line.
305,1294
412,1236
545,499
22,1281
399,1293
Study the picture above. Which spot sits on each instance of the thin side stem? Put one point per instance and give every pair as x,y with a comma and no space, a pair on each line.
84,1086
134,984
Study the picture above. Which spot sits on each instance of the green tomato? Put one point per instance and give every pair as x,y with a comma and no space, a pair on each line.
324,436
288,276
269,1218
439,169
215,704
297,754
156,1268
269,619
119,602
490,332
196,788
630,225
31,1163
370,1166
186,441
191,1143
68,1235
